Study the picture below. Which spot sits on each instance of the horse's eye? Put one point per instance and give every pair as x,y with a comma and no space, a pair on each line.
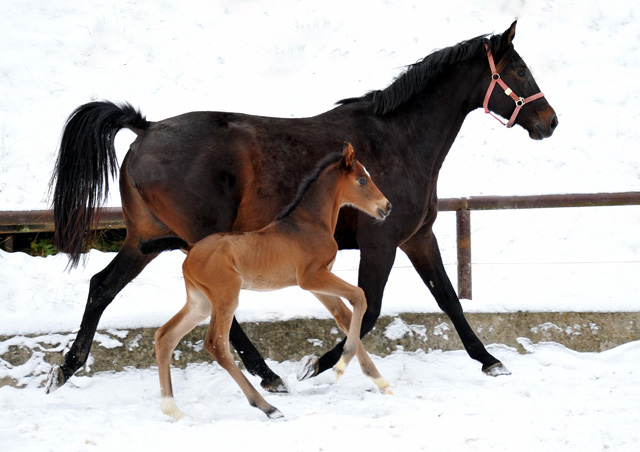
362,181
521,72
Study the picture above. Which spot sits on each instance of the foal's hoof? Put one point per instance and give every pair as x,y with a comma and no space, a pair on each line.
170,408
55,379
274,414
309,367
276,385
496,370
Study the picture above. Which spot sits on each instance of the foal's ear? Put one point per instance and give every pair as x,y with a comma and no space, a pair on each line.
349,155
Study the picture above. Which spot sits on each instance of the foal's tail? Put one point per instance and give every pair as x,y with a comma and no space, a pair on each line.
160,244
86,161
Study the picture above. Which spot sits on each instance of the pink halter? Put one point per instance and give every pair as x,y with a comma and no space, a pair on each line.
495,78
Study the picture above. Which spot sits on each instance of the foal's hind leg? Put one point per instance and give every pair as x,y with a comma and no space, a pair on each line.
343,318
224,301
167,337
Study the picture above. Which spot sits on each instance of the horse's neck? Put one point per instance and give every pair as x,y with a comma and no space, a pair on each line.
319,206
435,116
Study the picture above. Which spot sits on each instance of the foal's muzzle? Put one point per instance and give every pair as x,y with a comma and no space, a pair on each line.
384,213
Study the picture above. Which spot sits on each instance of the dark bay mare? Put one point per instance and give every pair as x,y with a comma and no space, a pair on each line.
207,172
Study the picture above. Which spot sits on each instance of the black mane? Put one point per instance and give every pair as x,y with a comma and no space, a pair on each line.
309,179
419,75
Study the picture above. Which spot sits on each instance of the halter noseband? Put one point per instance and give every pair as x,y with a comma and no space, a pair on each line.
495,78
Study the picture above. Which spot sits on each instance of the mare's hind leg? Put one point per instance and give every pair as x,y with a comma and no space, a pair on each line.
422,249
104,286
167,337
253,360
224,301
343,318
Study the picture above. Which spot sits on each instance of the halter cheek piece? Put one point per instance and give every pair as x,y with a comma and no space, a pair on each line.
495,78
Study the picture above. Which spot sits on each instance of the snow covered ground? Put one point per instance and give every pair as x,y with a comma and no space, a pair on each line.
296,58
556,400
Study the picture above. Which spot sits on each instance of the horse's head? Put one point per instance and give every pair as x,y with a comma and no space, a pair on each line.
524,103
359,190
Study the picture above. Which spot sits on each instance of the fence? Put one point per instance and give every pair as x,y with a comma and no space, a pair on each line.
16,222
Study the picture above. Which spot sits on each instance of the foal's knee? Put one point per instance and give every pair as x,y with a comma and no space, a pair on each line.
217,349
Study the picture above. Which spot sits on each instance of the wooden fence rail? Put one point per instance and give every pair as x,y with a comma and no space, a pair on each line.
17,222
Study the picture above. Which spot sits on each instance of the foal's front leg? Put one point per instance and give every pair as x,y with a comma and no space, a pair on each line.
326,283
343,318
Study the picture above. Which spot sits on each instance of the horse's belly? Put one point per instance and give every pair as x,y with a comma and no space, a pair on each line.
265,283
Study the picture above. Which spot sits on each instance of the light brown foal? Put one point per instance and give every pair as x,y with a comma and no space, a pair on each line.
297,249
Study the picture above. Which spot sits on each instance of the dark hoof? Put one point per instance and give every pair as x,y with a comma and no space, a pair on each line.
274,414
496,370
309,367
275,385
55,379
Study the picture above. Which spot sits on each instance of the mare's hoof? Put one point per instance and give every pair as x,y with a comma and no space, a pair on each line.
55,379
496,370
309,367
276,385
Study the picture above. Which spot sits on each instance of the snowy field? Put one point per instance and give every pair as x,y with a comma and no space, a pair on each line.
293,59
556,400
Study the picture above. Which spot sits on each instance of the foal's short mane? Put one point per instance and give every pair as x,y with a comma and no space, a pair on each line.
329,159
419,75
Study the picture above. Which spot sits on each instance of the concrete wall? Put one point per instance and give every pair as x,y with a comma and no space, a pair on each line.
114,350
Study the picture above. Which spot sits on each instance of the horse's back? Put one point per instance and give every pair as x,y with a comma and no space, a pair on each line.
207,172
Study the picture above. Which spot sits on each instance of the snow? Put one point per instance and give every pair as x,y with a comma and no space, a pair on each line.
293,59
556,399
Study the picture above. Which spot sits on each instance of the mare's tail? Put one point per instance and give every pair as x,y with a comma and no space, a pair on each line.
86,161
160,244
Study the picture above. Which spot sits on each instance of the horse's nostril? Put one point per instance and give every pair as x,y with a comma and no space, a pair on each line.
389,207
554,123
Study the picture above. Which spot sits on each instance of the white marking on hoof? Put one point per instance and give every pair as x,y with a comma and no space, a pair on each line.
55,379
383,385
170,408
308,367
339,368
497,370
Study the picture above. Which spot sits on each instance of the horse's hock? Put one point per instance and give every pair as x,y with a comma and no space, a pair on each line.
114,350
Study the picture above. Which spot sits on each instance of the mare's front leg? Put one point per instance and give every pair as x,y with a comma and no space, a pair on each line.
104,286
422,249
376,262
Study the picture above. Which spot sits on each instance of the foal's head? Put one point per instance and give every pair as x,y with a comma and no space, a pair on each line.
359,190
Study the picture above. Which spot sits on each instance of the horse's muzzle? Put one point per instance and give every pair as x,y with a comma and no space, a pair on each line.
384,213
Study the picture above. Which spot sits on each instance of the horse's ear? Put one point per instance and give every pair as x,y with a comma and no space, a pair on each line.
349,155
508,35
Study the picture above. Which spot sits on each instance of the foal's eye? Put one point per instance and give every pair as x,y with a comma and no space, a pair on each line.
521,72
362,181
